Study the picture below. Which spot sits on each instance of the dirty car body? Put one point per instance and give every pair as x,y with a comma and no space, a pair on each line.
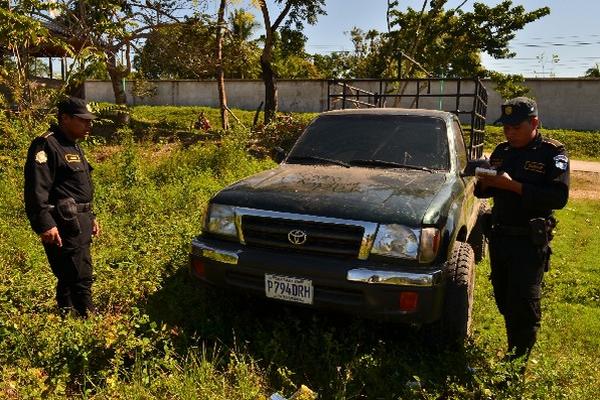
360,217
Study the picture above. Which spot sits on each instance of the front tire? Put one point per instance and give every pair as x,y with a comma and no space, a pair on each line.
455,324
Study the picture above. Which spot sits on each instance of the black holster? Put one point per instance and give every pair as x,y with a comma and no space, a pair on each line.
541,235
66,211
539,232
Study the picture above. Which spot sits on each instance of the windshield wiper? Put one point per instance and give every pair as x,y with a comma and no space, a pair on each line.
316,158
393,164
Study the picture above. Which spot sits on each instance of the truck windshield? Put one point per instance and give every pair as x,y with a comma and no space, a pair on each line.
410,140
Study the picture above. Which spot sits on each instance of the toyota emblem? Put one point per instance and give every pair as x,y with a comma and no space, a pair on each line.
297,237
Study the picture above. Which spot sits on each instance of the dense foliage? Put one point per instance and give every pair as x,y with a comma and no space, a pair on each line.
185,50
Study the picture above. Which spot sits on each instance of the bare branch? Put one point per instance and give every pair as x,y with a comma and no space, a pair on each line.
282,15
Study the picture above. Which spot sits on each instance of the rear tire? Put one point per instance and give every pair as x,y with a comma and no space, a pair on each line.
455,324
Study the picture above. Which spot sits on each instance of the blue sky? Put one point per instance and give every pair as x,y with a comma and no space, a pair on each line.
571,32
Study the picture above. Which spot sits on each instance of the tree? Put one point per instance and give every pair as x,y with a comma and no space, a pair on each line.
219,67
449,42
336,65
113,28
180,50
296,12
185,50
593,72
509,86
243,53
290,60
24,35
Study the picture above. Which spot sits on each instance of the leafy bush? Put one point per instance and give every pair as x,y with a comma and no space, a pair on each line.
282,131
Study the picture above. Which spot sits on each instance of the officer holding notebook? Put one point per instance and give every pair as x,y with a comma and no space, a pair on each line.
530,180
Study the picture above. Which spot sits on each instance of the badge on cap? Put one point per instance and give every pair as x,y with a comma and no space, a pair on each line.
561,162
41,157
508,110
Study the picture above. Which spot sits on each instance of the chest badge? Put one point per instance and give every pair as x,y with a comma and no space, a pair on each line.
535,166
41,157
72,158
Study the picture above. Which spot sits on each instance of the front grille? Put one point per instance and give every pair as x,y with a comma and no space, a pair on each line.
321,237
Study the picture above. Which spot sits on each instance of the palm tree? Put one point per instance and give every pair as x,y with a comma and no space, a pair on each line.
242,25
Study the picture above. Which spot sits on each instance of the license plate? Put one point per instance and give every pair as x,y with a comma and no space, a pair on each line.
289,288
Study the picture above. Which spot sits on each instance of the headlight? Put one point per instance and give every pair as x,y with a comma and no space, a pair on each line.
396,241
220,220
402,242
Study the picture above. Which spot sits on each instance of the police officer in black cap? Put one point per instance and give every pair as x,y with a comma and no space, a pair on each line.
532,179
58,202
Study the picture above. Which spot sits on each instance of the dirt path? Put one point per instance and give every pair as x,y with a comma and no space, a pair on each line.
584,185
588,166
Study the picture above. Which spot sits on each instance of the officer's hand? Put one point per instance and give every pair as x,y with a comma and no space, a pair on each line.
502,181
51,236
95,228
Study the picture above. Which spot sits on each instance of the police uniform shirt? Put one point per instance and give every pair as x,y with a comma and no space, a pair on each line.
542,167
55,169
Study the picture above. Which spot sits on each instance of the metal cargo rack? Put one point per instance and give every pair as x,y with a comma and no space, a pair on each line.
468,99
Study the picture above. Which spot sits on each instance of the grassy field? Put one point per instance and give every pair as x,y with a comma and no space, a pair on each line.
159,335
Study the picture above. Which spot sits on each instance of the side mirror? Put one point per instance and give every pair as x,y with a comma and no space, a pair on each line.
279,155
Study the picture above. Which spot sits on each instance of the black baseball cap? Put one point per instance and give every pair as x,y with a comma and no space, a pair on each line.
77,107
517,110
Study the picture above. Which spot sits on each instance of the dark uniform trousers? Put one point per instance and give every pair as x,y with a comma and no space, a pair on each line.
72,266
517,273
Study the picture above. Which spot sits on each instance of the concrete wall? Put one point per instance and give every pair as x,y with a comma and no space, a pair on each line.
563,103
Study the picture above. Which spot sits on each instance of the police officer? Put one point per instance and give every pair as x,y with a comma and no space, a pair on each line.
532,180
58,202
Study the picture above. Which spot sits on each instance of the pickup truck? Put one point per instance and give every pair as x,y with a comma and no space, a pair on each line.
371,213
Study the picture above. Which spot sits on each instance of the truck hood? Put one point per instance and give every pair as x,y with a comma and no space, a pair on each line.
368,194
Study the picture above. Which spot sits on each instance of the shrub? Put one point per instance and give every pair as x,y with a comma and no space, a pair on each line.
281,132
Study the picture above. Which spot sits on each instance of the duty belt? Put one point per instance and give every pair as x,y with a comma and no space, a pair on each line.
84,207
512,230
81,207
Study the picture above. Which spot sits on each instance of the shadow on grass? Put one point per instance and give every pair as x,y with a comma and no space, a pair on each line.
337,355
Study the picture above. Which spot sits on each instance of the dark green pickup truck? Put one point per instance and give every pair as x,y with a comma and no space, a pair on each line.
370,213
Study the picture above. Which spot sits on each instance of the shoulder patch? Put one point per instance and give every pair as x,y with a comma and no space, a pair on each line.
561,162
553,142
41,157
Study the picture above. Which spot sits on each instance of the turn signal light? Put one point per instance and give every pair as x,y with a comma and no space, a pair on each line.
409,301
198,266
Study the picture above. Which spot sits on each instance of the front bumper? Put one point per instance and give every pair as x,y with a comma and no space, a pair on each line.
355,286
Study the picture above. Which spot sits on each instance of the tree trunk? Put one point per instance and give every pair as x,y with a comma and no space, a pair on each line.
219,70
270,89
117,75
116,78
266,58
